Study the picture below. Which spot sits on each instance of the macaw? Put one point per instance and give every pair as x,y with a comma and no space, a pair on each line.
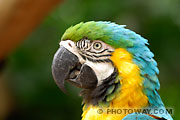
114,68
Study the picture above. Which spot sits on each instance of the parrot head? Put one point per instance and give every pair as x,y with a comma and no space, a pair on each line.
99,56
113,66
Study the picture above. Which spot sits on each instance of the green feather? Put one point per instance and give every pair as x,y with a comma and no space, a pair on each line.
89,29
110,90
110,97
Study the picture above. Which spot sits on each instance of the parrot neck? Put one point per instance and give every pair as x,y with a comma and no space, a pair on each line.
129,94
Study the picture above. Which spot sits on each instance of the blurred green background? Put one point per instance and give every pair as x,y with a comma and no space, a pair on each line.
35,96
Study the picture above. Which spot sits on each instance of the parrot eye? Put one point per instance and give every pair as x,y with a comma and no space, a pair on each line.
97,45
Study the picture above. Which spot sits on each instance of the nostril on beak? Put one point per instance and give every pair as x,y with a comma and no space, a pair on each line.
70,44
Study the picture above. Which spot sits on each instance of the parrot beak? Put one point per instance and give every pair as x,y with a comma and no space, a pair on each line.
66,66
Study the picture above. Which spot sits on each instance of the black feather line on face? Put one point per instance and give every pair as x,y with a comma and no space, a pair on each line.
96,56
93,96
97,60
98,52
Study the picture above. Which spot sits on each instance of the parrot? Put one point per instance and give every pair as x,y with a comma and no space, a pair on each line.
113,67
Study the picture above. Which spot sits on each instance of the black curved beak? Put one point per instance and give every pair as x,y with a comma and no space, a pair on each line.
63,62
66,66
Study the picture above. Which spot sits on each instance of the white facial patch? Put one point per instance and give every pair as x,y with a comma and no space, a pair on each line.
102,70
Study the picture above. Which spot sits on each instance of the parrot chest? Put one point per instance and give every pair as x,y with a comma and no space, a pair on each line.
126,100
